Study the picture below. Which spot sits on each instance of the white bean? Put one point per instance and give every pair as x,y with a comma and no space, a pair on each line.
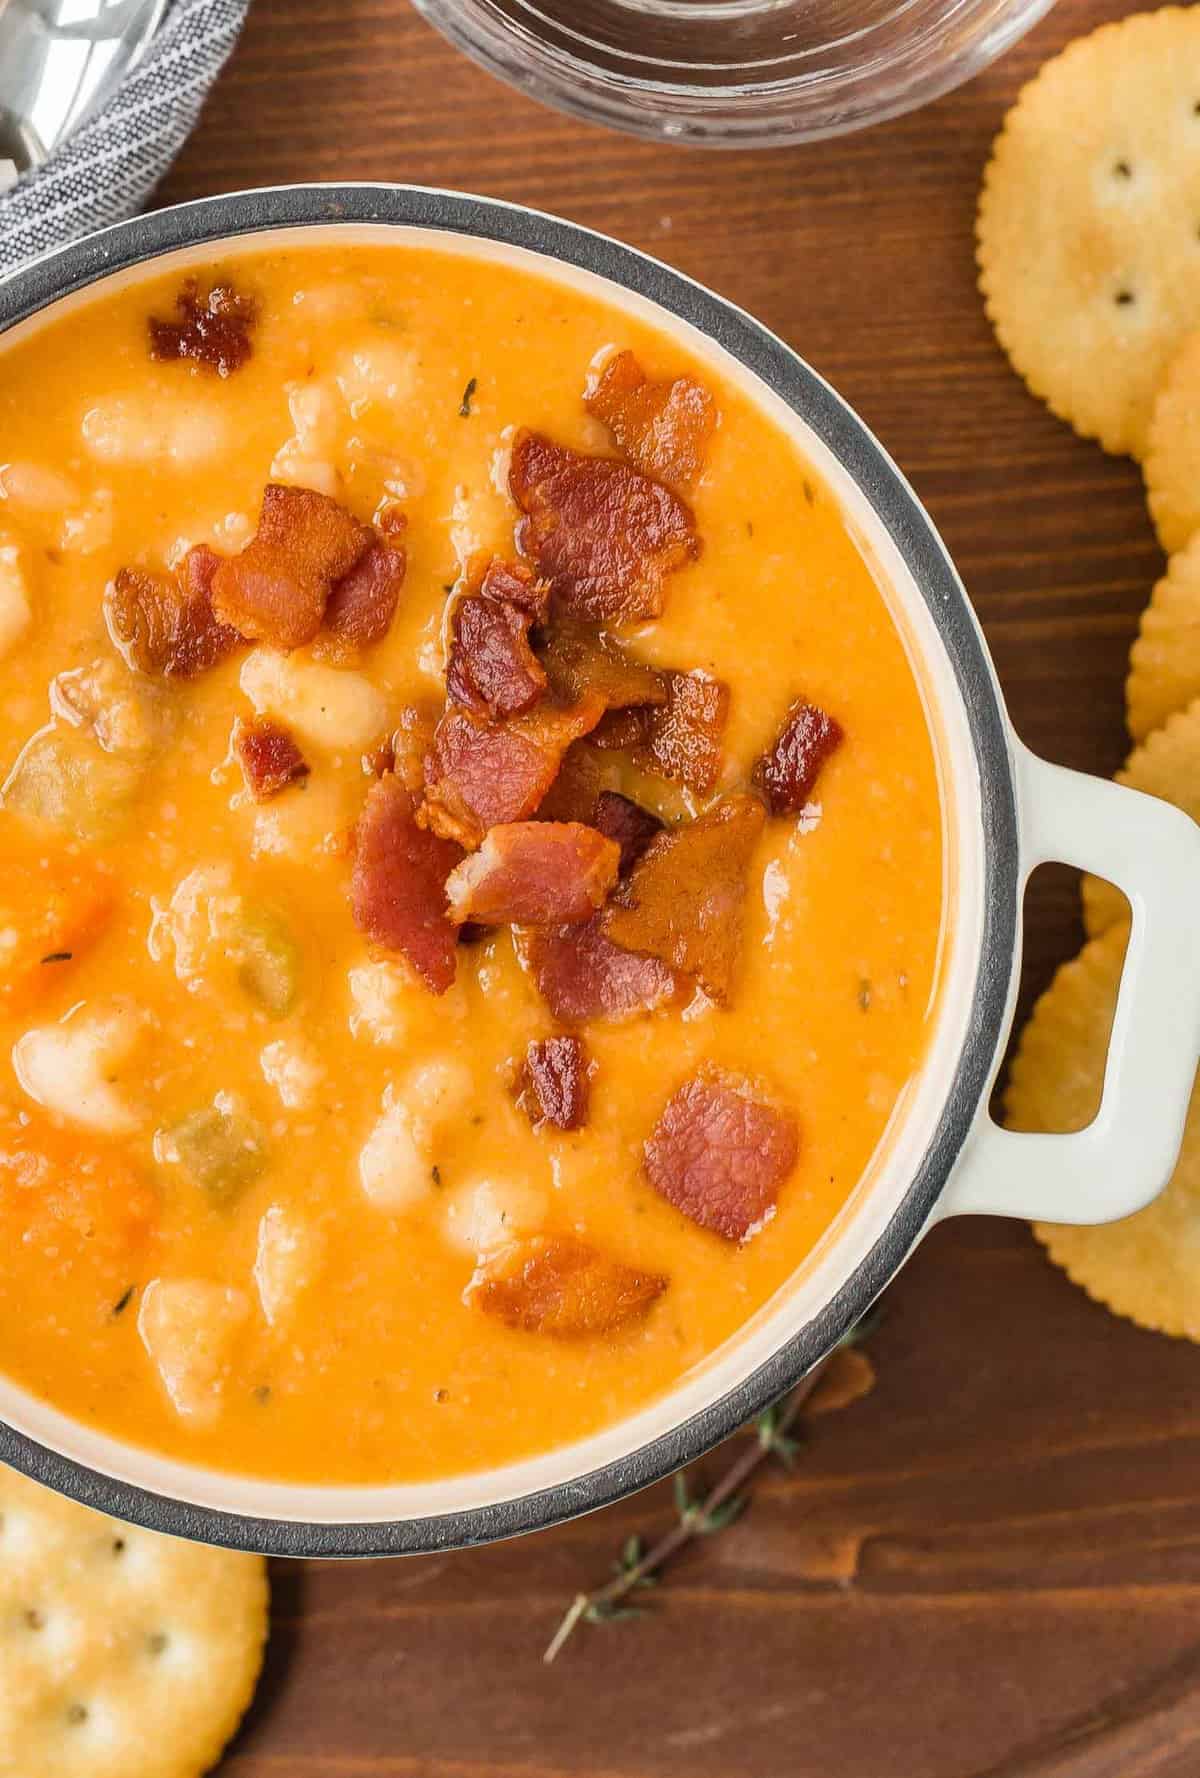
438,1090
294,1069
305,825
189,1328
74,1068
393,1166
203,911
328,302
334,709
485,1214
290,1251
376,370
152,428
301,468
33,487
315,413
307,459
16,604
382,996
88,528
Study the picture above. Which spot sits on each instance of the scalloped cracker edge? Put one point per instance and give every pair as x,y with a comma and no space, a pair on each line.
1164,662
1166,765
1172,462
1086,230
1146,1267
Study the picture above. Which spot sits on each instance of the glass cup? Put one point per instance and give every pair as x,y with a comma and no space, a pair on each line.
734,73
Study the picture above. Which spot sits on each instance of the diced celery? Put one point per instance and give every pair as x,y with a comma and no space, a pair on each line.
64,777
220,1149
268,960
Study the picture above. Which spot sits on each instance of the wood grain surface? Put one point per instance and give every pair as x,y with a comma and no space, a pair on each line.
990,1568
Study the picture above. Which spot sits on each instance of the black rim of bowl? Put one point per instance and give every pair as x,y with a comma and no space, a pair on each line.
24,293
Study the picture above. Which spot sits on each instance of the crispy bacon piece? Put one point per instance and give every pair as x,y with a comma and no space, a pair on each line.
582,975
562,1286
276,590
682,740
534,873
511,583
787,774
572,796
579,660
270,757
391,521
604,535
720,1153
213,332
397,887
581,663
626,822
682,901
663,427
360,608
406,749
380,759
482,773
552,1087
623,731
492,668
164,624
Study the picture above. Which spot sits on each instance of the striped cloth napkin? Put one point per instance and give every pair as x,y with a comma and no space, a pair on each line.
108,167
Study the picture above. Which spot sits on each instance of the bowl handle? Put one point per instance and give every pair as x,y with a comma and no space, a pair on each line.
1123,1159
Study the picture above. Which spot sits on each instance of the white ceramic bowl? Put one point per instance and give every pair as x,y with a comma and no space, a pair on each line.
1005,813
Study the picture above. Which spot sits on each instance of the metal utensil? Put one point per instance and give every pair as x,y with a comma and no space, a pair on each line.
59,61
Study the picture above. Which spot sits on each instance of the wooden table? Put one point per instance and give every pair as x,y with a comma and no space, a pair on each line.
991,1566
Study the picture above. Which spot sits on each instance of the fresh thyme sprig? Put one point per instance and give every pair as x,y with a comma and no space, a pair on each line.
637,1567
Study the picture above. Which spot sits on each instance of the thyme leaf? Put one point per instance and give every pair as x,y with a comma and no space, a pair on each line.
774,1439
702,1514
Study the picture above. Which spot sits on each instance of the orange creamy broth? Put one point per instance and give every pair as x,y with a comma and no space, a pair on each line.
374,1367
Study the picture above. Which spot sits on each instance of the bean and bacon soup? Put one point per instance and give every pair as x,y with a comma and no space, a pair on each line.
472,863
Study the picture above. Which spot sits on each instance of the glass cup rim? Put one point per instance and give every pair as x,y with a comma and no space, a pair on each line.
808,106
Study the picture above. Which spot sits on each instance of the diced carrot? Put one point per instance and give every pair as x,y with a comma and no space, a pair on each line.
74,1199
54,903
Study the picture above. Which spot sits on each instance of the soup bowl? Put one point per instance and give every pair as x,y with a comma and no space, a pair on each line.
1004,812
